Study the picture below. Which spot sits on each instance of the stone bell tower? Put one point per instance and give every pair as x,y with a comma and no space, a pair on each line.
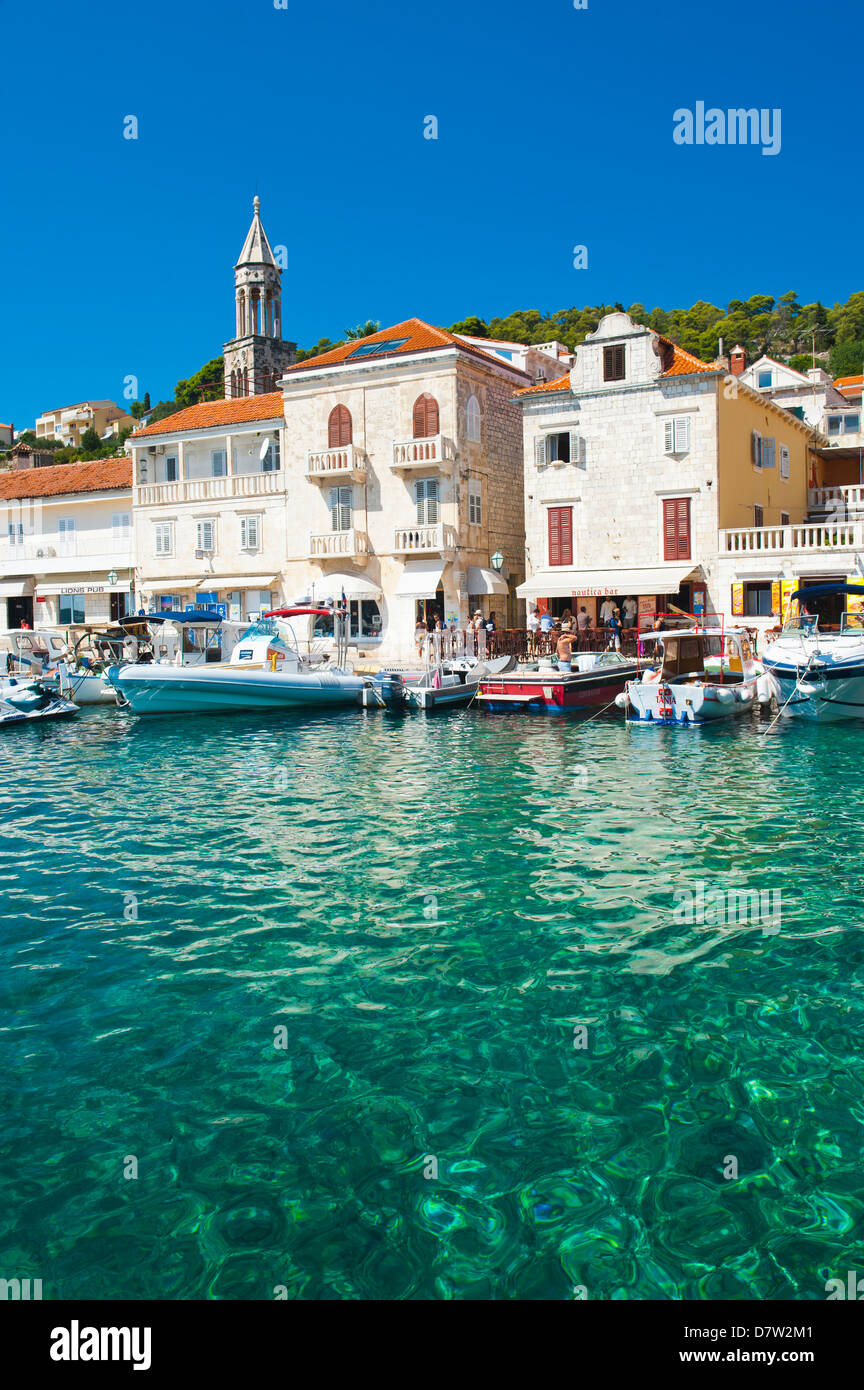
258,356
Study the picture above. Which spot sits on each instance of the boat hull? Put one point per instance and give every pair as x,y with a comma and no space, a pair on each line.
184,690
554,693
827,696
649,702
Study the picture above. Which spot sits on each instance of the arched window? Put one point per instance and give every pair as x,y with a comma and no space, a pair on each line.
474,419
340,430
233,385
425,416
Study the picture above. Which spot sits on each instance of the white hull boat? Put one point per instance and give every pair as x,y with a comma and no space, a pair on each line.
24,701
699,676
819,675
266,672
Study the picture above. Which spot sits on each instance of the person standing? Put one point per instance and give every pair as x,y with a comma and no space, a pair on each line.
615,629
533,629
564,647
629,612
583,620
606,611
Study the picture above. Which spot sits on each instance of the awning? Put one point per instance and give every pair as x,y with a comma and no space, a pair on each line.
564,583
420,579
482,581
73,586
168,586
16,588
354,586
211,582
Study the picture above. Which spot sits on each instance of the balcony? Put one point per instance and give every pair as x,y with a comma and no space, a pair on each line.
425,540
324,465
835,501
46,557
786,540
347,545
210,489
436,452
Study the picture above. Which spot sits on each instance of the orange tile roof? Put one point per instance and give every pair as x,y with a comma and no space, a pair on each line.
62,479
684,363
842,381
209,414
419,337
561,384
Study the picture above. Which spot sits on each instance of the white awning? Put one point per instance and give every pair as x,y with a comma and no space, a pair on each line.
73,586
16,588
564,583
420,578
354,586
168,586
482,581
234,581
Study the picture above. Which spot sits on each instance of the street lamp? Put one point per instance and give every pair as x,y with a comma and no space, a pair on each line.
497,561
112,578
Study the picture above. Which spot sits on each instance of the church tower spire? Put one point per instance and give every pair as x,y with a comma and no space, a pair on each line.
258,355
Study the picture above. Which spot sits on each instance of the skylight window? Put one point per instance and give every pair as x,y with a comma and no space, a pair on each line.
371,349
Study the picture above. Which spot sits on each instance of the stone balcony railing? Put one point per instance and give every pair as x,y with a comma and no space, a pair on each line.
423,453
428,540
347,462
348,544
786,540
210,489
835,500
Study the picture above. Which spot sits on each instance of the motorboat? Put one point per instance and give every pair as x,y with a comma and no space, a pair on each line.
694,675
24,700
450,676
266,671
48,655
816,674
594,682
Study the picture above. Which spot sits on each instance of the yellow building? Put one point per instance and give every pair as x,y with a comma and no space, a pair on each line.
71,422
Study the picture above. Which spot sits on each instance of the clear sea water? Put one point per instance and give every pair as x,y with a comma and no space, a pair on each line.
290,968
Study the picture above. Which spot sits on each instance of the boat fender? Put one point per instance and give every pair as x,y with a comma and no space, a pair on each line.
763,690
622,700
725,695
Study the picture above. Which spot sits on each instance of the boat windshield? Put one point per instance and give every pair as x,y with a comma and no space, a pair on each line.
800,625
612,659
853,623
265,627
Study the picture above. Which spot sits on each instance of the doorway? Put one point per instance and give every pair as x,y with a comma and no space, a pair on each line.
19,611
121,606
829,608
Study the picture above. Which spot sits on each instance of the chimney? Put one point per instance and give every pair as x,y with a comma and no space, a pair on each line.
738,359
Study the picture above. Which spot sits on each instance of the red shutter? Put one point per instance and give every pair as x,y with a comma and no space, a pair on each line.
425,417
676,528
340,429
560,535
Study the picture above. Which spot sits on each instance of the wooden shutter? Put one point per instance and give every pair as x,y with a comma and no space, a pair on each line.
425,417
560,535
540,450
756,448
340,429
676,528
669,437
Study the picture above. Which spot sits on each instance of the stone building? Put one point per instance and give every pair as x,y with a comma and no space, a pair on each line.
66,544
643,466
258,355
388,471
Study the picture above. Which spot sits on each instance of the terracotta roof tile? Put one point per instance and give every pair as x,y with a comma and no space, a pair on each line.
684,363
561,384
842,381
210,414
100,475
418,337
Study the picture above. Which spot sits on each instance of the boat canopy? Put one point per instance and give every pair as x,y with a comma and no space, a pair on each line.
821,590
201,615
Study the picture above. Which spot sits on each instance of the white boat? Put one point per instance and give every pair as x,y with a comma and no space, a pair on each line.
815,674
47,654
697,675
24,700
266,671
445,681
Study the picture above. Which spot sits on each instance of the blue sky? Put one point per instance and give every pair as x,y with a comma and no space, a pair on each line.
555,129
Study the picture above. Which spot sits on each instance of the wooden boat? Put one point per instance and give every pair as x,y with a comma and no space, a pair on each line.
696,676
599,677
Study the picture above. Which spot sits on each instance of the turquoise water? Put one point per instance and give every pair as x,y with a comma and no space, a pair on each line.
428,908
